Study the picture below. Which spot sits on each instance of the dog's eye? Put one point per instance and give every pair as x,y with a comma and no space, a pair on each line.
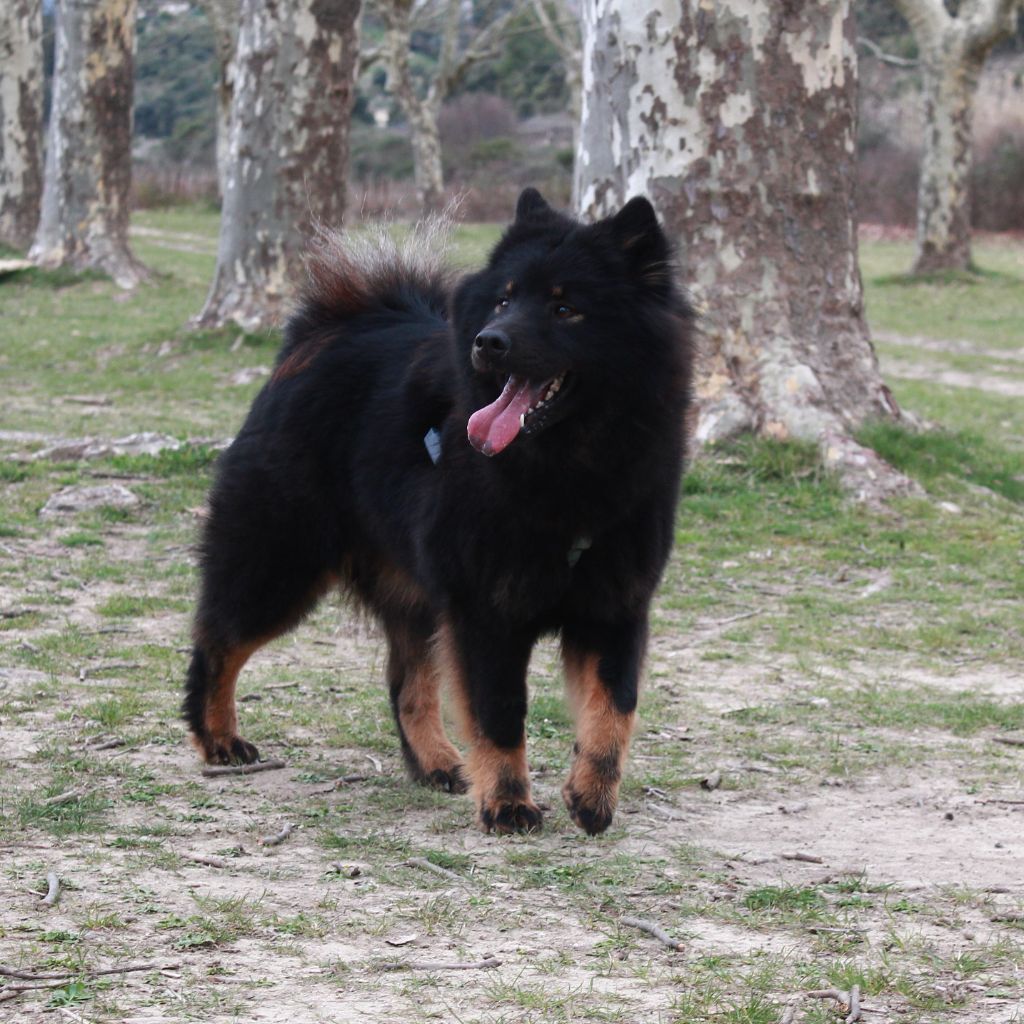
562,311
503,302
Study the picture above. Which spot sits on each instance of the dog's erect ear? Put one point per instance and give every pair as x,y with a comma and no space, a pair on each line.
636,229
531,204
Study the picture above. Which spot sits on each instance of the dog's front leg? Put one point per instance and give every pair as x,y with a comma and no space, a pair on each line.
602,671
488,670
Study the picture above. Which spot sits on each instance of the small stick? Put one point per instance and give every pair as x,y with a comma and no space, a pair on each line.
1010,741
280,686
53,892
426,865
487,964
733,618
1012,917
63,798
202,858
278,838
10,972
829,993
109,744
854,1014
711,781
807,858
345,780
652,929
375,761
243,769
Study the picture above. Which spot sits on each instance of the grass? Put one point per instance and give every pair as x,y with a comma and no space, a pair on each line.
797,640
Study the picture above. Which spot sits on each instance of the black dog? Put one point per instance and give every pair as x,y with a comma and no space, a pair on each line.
364,464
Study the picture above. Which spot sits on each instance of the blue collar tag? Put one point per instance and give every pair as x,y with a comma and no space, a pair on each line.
432,442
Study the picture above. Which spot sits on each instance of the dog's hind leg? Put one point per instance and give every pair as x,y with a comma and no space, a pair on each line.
488,671
414,684
602,669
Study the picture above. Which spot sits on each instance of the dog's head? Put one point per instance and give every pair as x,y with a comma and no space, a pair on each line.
564,322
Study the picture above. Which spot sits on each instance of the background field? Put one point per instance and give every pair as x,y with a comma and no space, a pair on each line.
854,676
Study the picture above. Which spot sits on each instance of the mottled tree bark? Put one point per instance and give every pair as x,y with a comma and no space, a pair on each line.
223,16
21,120
88,175
738,121
294,78
953,51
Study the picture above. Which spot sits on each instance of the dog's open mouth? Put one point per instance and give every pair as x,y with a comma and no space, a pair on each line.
522,407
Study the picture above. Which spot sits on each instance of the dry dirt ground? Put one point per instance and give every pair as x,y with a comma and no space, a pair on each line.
889,856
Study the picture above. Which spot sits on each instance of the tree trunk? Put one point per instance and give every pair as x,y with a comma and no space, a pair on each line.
943,197
87,181
223,17
21,120
294,77
421,114
738,121
953,51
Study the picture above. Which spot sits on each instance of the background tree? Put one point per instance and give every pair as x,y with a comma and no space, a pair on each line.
21,120
953,48
739,122
223,15
461,47
294,76
88,173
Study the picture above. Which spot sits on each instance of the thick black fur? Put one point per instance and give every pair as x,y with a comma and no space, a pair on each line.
329,483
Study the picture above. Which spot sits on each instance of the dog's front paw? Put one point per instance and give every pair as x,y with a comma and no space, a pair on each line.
226,749
591,795
505,815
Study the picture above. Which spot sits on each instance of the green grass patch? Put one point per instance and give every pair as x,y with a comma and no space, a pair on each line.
934,454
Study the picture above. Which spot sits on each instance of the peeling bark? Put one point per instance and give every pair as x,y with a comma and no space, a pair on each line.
21,120
738,121
294,84
223,17
953,51
87,180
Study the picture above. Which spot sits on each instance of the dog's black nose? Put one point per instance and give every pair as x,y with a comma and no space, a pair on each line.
492,343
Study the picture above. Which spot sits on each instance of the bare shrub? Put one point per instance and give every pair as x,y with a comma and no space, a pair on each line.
473,117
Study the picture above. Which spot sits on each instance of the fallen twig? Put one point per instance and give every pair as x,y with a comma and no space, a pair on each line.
426,865
109,744
711,781
10,972
1010,741
53,890
807,858
652,929
1010,917
830,993
278,838
345,780
280,686
63,798
243,769
202,858
854,1004
487,964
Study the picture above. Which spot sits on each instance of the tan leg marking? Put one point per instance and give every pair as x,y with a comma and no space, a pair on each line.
419,715
591,791
499,777
221,742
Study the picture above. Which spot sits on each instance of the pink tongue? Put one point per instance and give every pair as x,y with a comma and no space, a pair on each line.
494,427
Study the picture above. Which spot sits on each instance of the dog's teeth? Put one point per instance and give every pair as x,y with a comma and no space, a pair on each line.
522,419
